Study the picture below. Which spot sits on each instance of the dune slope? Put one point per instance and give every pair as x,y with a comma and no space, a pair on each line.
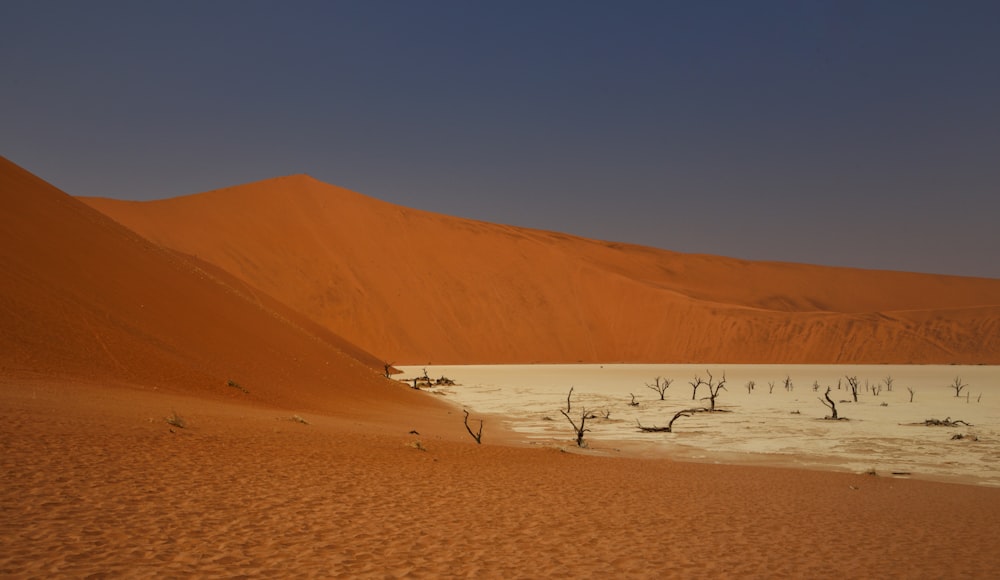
84,298
416,287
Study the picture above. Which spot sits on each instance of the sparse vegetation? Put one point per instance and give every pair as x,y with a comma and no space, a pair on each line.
670,426
660,385
713,389
424,381
582,427
176,420
478,436
958,385
946,422
853,382
828,402
960,436
697,382
237,386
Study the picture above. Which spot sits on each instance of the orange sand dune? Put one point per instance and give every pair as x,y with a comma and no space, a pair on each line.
85,298
105,334
416,287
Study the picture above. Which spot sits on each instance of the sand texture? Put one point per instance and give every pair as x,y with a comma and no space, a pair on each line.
419,288
163,413
94,482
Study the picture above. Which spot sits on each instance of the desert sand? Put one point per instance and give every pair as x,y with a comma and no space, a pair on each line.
161,417
422,288
95,482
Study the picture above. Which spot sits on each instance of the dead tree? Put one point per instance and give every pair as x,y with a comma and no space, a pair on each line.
853,382
660,385
697,382
750,385
670,426
911,393
946,422
582,427
888,383
634,403
478,436
788,384
815,386
770,387
713,389
388,369
829,403
958,385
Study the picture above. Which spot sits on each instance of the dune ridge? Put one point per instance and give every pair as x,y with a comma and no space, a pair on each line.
415,287
85,298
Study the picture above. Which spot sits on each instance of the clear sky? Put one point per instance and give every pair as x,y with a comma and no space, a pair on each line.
861,134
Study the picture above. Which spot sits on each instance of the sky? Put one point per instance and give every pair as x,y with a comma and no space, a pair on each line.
861,134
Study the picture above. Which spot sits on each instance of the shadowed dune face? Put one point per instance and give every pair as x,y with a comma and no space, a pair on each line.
85,298
415,287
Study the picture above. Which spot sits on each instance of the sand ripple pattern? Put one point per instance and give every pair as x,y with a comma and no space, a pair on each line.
265,497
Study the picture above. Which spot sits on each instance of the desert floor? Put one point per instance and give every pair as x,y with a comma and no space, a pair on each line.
96,483
884,431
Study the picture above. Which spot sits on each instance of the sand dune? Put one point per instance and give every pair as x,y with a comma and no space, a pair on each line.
415,287
85,298
105,334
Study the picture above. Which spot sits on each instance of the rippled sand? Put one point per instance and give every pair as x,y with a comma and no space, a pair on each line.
95,483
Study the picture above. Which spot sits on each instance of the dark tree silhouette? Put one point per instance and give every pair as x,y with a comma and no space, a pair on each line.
829,403
478,436
582,427
713,389
660,385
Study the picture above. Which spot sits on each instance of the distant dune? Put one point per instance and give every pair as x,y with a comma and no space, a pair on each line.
84,298
414,287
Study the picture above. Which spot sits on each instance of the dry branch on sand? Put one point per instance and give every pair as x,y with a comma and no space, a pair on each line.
478,436
946,422
237,386
176,420
670,426
582,427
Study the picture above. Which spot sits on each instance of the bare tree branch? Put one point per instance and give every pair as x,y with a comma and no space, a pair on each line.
477,436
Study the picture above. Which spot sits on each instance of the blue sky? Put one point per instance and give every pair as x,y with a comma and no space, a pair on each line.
861,134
